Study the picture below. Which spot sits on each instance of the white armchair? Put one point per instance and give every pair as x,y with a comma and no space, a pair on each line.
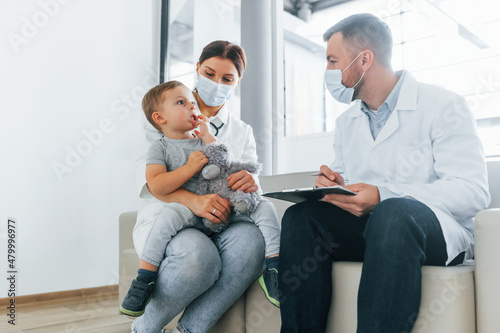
487,251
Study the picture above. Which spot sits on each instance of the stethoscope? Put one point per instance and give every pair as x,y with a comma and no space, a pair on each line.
216,128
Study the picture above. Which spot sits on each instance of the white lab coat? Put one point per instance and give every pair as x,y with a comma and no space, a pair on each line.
429,150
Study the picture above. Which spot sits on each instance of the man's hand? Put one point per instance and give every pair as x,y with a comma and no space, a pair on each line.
365,200
242,181
328,178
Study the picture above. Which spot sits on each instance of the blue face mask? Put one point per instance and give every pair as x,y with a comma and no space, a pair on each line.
333,82
213,93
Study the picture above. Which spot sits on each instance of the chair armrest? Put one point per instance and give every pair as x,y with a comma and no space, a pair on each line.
487,270
128,259
127,223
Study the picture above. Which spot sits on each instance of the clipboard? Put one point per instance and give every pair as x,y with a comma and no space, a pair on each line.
308,193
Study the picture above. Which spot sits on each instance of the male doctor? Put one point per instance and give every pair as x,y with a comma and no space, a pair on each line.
411,153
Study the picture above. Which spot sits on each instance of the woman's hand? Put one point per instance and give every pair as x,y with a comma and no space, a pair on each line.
210,206
243,181
200,205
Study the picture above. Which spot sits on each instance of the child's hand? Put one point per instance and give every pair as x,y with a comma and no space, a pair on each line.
204,132
196,161
203,122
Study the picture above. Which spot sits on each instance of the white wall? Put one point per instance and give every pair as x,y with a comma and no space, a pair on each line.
73,74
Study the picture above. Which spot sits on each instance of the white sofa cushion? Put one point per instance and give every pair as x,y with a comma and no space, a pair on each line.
447,302
447,299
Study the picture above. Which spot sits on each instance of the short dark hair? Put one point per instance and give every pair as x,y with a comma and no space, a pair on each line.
225,49
365,32
153,99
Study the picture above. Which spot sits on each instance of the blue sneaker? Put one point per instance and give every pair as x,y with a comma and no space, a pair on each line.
137,298
269,284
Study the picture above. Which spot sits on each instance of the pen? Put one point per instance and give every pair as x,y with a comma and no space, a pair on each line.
319,173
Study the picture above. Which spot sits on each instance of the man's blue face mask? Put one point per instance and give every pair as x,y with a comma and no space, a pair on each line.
333,82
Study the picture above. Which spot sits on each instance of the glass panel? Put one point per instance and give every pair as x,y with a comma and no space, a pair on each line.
485,105
397,57
440,51
488,32
490,136
194,24
180,44
304,106
394,23
465,78
470,12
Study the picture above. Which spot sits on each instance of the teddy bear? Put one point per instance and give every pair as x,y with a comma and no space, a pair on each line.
213,179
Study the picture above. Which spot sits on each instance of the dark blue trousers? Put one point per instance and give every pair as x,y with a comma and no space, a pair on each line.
393,242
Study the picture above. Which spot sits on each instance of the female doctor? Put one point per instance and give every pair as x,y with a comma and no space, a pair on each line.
206,275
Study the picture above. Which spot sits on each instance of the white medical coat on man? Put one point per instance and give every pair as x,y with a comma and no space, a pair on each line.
428,150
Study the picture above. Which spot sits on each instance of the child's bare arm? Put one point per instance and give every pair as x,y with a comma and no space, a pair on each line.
160,181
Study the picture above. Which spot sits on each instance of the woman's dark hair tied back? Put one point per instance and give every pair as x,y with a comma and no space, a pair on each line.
228,50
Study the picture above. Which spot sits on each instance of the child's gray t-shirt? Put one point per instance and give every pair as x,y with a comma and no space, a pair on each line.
174,153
